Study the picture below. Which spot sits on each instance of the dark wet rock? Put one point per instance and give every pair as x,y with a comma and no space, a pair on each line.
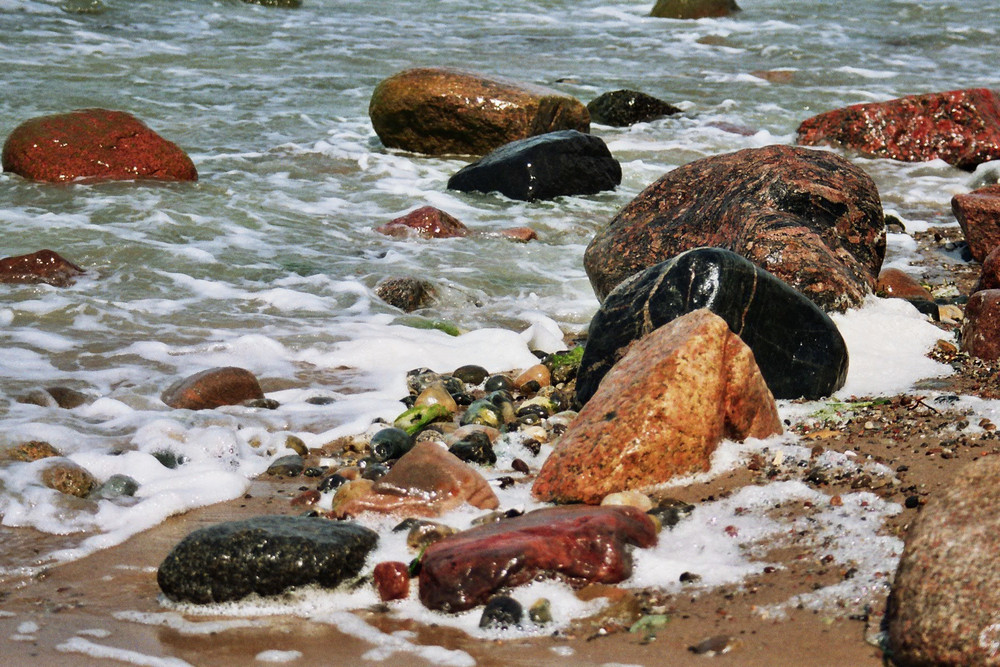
981,326
471,374
978,213
65,476
540,612
287,466
500,613
32,450
426,222
961,127
331,482
578,544
550,165
483,412
391,443
407,294
93,145
621,108
797,346
44,266
942,608
808,217
284,4
475,448
261,403
441,110
989,275
169,458
213,388
715,645
392,580
425,533
374,472
661,412
116,486
693,9
265,555
499,382
296,444
670,511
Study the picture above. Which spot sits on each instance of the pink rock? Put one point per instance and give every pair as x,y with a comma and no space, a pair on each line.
44,266
213,388
978,213
981,326
427,222
392,580
660,412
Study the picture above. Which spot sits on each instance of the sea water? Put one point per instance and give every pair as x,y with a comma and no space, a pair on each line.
269,261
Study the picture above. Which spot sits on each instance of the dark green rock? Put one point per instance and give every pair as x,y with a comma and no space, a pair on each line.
471,374
797,346
116,487
475,448
287,466
391,443
621,108
264,555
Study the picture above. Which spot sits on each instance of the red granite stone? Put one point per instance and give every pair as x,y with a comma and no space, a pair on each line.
981,326
213,388
44,266
978,214
392,580
897,284
989,275
427,222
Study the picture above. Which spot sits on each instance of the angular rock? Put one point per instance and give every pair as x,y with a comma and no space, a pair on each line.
392,580
578,544
621,108
93,145
961,127
808,217
65,476
660,412
264,555
978,214
442,110
897,284
212,388
426,222
942,609
407,294
797,346
543,167
981,326
989,275
44,266
693,9
426,481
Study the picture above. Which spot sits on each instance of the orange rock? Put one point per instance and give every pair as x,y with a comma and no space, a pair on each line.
978,214
900,285
212,388
660,412
44,266
519,234
392,580
538,373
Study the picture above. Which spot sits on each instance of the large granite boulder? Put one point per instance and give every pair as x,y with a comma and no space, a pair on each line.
981,325
978,214
449,111
213,388
944,607
809,217
44,266
543,167
693,9
961,127
93,145
264,555
797,346
620,108
578,544
661,412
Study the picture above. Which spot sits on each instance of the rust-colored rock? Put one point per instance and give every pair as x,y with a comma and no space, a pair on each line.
93,145
581,545
44,266
978,214
961,127
808,217
519,234
426,481
426,222
65,476
660,412
989,275
693,9
981,326
897,284
449,111
213,388
32,450
392,580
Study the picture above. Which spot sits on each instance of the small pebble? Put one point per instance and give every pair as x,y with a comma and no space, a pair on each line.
501,612
540,612
287,466
717,645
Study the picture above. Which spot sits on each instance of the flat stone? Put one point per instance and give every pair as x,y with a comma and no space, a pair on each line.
897,284
44,266
978,214
213,388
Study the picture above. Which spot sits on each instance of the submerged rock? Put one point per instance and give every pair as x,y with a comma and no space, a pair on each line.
65,476
578,544
797,347
32,450
44,266
426,222
621,108
407,294
213,388
264,555
693,9
978,213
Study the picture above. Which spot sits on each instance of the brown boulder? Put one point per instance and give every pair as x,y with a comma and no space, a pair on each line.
989,275
897,284
808,217
981,326
33,450
441,110
961,127
406,293
579,544
93,145
213,388
660,412
978,214
392,580
693,9
44,266
67,477
426,222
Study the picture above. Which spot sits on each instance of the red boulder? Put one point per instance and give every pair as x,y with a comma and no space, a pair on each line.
44,266
392,580
427,222
981,327
978,214
989,275
213,388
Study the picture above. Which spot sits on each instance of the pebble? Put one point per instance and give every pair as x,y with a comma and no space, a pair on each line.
717,645
540,612
425,533
471,374
501,612
67,477
482,412
475,448
287,466
32,450
392,580
116,486
297,445
498,383
391,443
539,374
436,394
629,498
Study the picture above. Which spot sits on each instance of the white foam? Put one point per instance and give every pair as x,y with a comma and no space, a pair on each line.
101,652
277,656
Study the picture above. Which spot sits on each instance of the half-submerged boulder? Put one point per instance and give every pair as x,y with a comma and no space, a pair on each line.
265,555
426,222
693,9
809,217
213,388
978,214
441,111
661,412
797,346
621,108
93,145
543,167
44,266
580,545
961,127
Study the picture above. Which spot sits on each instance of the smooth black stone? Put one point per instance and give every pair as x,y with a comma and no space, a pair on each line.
264,555
797,346
621,108
287,466
499,383
391,443
169,459
543,167
331,482
471,374
501,612
475,448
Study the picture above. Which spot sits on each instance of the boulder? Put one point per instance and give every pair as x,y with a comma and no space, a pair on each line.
989,275
978,214
284,4
897,284
265,555
44,266
693,9
944,602
65,476
621,108
442,110
578,544
212,388
808,217
981,325
93,145
543,167
660,412
426,222
961,127
392,580
32,450
406,293
797,347
426,481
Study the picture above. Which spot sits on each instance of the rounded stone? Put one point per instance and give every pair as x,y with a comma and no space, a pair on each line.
213,388
67,477
392,580
501,612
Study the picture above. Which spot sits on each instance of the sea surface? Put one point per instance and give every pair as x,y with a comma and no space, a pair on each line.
269,261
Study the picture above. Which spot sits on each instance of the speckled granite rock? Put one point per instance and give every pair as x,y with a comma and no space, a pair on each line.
978,214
